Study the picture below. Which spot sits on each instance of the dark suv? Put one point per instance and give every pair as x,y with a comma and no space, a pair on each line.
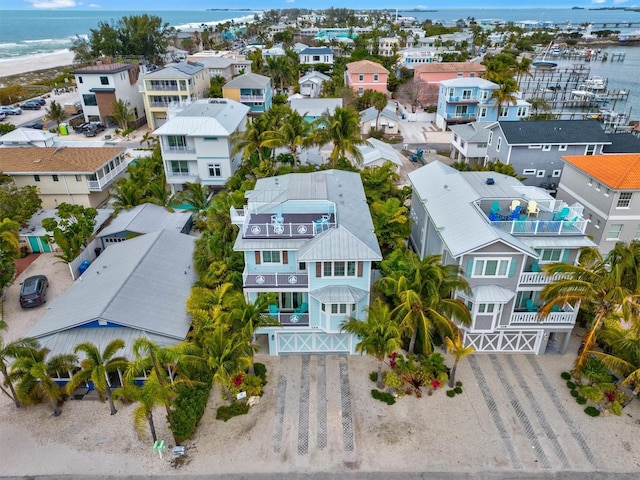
33,291
93,129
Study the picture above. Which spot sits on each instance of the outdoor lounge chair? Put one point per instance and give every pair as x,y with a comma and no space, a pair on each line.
495,207
273,310
302,308
528,303
532,208
515,214
514,204
562,214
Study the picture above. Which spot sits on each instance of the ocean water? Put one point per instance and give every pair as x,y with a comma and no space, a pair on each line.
29,32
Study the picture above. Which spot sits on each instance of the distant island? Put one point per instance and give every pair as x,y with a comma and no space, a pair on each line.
577,8
624,9
229,10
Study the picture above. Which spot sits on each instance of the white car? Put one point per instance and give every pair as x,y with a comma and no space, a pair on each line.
2,116
10,110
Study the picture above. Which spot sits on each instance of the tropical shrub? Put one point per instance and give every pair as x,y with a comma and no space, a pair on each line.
571,385
592,411
575,393
392,381
565,375
581,400
615,408
373,376
189,405
385,397
260,370
451,393
226,412
458,390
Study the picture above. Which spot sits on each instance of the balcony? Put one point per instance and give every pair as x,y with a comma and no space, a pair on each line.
293,225
178,149
159,104
99,184
290,319
538,278
461,117
279,280
161,88
565,317
251,98
463,100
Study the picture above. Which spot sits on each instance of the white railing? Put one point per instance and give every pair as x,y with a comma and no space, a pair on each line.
252,98
275,279
99,184
176,149
568,316
541,227
538,277
288,229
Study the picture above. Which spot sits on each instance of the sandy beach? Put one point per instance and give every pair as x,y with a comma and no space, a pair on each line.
14,66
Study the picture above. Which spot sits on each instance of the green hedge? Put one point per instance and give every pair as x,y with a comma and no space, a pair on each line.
260,370
226,412
189,405
383,397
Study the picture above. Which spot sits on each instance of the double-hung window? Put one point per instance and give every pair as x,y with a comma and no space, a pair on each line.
491,267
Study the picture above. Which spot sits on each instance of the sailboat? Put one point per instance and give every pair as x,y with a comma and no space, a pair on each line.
543,62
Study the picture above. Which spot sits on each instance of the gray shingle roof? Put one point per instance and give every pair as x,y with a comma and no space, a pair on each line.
568,132
620,143
140,284
176,70
146,218
317,51
371,113
248,80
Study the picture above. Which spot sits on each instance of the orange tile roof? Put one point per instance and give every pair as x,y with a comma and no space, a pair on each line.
56,160
616,171
437,67
366,66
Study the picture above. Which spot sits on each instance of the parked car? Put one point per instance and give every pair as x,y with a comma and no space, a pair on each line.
93,129
2,116
37,125
41,101
10,110
79,128
33,291
31,105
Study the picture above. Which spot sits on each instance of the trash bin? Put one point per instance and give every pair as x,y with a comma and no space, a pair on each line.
97,251
64,129
83,266
403,116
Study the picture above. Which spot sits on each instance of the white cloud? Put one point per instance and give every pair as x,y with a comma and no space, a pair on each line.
289,1
598,1
93,5
53,4
617,2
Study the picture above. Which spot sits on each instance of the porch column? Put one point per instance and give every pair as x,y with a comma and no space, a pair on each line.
565,343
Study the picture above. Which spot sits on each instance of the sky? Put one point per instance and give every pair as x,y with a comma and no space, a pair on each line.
316,4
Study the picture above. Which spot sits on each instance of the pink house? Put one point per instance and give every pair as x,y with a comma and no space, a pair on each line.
366,75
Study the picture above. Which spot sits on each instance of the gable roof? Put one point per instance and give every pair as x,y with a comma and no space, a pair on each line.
315,107
176,70
366,66
616,171
213,117
248,80
622,143
314,76
316,51
389,111
374,150
140,284
469,82
570,132
26,135
21,160
473,132
439,67
146,218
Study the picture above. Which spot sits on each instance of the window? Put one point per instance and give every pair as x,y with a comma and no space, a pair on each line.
546,148
55,178
36,178
215,169
78,178
607,192
179,167
466,94
339,269
104,80
504,111
498,144
291,300
483,112
486,307
556,173
562,148
490,138
540,173
614,231
591,150
361,78
271,256
455,137
210,139
89,100
360,90
375,77
342,308
472,74
177,142
529,171
491,268
80,80
522,111
302,266
624,200
550,255
485,95
462,144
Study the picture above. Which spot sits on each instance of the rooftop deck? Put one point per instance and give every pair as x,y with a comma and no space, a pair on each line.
293,225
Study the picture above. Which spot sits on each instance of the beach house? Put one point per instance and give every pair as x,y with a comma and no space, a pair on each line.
308,239
366,75
252,90
499,232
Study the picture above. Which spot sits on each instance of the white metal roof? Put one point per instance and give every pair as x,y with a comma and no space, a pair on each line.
315,107
491,294
339,294
140,284
206,118
374,150
146,218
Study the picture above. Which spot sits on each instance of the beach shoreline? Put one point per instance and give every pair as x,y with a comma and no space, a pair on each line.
32,63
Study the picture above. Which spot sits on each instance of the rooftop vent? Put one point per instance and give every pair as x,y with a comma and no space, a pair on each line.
490,181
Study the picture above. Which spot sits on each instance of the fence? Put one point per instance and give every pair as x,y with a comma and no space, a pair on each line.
89,253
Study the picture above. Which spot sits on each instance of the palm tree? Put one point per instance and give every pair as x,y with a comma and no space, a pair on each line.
96,368
122,114
159,193
226,355
126,194
56,113
379,334
148,396
379,102
32,370
294,132
9,240
251,140
424,302
342,129
150,139
522,68
195,195
606,287
456,347
505,94
12,350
